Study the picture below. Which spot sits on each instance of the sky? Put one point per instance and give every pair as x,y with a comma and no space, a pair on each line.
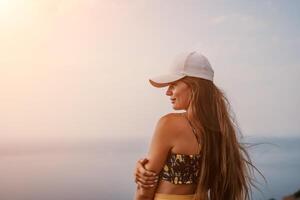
79,69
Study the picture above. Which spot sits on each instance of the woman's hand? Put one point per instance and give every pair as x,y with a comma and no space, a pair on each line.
144,178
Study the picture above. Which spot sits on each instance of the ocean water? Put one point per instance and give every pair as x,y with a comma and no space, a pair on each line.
103,169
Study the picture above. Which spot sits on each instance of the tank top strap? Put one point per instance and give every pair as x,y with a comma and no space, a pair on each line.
194,131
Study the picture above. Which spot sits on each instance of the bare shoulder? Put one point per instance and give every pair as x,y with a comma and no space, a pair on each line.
173,117
167,130
172,122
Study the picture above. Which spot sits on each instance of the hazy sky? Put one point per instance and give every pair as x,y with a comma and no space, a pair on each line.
80,68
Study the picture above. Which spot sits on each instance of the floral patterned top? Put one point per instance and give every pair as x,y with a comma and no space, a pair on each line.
181,169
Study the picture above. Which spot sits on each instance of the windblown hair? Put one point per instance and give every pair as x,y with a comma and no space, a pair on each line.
226,169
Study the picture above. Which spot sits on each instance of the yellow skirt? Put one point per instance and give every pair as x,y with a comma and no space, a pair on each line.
159,196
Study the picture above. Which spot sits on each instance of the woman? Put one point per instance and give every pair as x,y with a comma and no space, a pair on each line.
194,154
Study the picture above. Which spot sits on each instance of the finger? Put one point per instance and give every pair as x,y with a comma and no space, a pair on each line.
149,173
145,185
148,186
142,186
142,181
146,182
145,177
143,161
141,170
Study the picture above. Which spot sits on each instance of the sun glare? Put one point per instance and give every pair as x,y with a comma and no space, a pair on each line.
14,10
7,7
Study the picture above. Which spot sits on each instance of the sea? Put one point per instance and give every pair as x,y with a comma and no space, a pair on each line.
102,169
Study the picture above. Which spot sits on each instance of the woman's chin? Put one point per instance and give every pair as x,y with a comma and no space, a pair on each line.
176,107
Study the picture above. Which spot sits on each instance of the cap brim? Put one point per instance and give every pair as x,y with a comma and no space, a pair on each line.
165,80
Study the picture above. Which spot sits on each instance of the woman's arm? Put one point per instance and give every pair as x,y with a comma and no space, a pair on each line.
162,142
144,178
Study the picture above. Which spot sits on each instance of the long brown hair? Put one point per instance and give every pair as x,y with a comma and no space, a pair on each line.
225,169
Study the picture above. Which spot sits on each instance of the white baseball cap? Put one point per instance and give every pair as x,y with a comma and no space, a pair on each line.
185,64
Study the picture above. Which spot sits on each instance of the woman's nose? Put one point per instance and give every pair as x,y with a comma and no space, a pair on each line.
169,92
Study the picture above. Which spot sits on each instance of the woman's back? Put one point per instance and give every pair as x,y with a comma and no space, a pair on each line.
182,159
